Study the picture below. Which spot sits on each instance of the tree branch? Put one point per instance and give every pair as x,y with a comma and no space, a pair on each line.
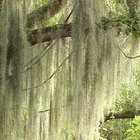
45,12
49,33
121,115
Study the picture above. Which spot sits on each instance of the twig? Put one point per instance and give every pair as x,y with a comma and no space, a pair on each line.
130,57
52,73
42,111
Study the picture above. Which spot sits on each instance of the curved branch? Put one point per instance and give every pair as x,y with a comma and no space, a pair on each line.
45,12
130,57
49,33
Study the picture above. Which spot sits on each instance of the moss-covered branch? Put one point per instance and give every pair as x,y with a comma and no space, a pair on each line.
122,115
49,33
45,12
64,30
124,23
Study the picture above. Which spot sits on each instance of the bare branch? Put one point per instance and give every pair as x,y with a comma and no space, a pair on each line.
130,57
45,12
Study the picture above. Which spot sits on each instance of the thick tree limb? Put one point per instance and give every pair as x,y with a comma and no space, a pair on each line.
45,12
121,115
49,33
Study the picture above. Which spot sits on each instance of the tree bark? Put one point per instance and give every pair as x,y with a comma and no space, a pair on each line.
49,33
121,115
45,12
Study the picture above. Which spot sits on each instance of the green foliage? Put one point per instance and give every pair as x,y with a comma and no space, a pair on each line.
133,131
54,20
125,129
128,129
39,4
114,129
123,23
127,98
116,6
120,18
